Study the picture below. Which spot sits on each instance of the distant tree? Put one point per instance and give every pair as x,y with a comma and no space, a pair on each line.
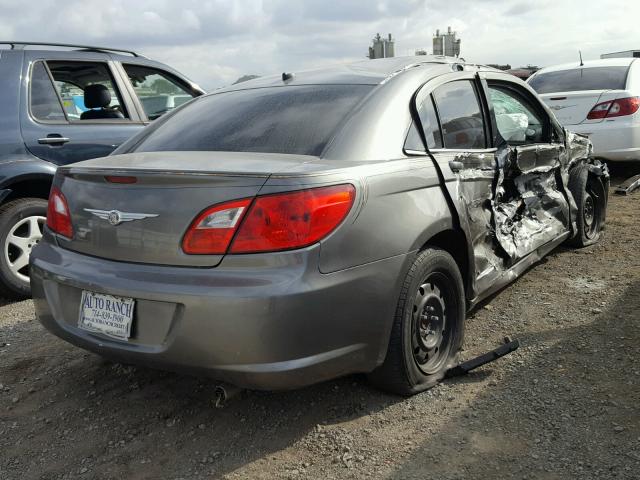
162,85
245,78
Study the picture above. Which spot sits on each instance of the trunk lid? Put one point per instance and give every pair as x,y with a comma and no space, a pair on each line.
572,108
171,189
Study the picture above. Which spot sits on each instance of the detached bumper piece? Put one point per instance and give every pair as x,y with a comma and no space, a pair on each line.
628,186
466,367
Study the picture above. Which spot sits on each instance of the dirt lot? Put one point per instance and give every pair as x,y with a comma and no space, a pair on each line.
566,405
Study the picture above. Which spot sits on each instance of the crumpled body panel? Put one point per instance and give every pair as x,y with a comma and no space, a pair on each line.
515,203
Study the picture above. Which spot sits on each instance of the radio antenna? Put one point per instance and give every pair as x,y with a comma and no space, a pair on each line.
581,62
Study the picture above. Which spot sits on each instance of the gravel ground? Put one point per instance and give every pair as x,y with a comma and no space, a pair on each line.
565,405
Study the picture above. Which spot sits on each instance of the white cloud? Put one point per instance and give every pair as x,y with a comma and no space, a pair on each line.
216,41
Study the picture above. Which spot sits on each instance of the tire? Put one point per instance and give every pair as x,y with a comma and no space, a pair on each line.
21,226
428,328
590,197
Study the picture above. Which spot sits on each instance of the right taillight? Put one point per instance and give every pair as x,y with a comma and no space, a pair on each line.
615,108
275,222
58,216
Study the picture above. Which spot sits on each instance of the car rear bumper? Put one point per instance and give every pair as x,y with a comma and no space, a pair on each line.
257,321
612,141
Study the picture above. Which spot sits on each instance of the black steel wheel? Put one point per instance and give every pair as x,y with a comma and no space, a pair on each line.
590,195
428,329
431,340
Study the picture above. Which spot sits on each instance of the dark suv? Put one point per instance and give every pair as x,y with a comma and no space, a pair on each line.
60,104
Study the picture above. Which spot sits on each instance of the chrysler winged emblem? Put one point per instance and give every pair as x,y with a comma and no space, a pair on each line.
116,217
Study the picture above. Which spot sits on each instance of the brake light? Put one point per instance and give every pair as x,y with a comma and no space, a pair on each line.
615,108
292,220
211,232
120,179
58,216
282,221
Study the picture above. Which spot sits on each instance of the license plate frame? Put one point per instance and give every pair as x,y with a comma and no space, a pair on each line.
106,314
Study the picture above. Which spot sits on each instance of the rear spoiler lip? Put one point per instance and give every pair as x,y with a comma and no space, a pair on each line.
71,171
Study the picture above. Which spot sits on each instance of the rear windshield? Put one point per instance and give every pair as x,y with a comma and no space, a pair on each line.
291,120
593,78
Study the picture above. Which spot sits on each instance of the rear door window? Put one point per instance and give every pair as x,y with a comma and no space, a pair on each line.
460,115
577,79
43,100
158,91
291,120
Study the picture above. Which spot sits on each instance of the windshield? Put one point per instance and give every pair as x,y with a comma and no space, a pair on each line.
593,78
290,120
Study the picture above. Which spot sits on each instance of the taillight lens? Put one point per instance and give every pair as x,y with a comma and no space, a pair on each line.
291,220
211,232
58,216
615,108
282,221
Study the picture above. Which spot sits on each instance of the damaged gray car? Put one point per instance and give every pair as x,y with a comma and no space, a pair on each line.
297,228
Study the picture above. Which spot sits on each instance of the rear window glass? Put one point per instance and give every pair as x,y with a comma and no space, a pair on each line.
593,78
290,120
460,115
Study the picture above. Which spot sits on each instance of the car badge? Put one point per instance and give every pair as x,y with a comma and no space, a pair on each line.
560,107
116,217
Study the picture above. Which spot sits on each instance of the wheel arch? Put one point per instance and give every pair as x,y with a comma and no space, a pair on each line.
454,242
36,185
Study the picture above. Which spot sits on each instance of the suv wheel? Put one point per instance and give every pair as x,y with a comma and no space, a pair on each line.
21,225
428,328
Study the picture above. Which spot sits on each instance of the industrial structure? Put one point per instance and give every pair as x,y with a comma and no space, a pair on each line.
382,47
625,54
446,43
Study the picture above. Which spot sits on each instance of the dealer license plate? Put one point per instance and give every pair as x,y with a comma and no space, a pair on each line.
106,314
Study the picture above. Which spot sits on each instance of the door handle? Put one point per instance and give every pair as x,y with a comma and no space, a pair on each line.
53,139
456,166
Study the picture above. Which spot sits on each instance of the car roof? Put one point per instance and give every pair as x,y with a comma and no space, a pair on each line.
605,62
364,72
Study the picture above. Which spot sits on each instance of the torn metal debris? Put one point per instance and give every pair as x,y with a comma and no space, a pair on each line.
628,186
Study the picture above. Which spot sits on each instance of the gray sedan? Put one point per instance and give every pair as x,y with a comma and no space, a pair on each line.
305,226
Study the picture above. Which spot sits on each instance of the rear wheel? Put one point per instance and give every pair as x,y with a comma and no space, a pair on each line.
428,327
21,226
590,197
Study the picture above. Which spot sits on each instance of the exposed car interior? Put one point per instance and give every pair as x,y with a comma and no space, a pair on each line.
97,99
87,90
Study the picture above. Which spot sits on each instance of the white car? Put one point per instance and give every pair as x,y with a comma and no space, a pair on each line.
599,99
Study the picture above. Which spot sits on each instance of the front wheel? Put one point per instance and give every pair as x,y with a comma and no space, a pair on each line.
590,197
428,327
21,226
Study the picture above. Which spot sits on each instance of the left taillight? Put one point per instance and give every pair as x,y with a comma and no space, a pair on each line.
58,216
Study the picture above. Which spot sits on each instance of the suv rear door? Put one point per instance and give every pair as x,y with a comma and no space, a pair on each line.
53,101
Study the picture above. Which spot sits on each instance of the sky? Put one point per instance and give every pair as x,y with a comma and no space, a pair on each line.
214,42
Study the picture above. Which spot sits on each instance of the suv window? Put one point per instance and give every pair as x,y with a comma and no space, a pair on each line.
590,78
516,119
158,91
294,119
43,100
73,79
460,115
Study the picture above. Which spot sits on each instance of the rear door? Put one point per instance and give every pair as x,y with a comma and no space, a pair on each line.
455,127
53,102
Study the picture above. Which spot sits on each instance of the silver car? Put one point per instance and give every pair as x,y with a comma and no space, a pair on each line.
301,227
